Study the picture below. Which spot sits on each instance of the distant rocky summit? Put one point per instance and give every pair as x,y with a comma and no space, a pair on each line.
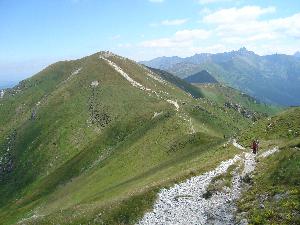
272,79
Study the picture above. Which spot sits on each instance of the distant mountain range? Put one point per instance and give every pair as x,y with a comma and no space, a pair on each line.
271,78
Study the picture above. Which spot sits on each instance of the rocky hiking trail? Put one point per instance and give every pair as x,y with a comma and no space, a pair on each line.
208,198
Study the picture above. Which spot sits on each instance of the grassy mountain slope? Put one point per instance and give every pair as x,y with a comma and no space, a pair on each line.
274,196
101,134
185,86
232,97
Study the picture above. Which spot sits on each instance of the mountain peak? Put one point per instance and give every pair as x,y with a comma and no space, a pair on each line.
106,54
201,77
243,49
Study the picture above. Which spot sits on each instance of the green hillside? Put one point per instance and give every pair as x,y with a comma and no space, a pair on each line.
274,196
233,98
185,86
102,134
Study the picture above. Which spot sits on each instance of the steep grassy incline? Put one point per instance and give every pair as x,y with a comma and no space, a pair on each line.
274,196
96,135
283,127
233,98
185,86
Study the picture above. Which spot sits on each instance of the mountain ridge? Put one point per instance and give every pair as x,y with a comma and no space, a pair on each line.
201,77
271,78
78,132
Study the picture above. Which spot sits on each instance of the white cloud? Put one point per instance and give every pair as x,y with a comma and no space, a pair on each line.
164,43
230,28
210,48
174,22
150,53
124,45
244,27
245,23
205,11
182,38
233,15
289,26
153,24
156,1
195,34
115,37
204,2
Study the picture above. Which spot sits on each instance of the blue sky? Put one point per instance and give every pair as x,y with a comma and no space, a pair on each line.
35,33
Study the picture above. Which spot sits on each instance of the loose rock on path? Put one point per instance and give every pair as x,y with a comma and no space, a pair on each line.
185,203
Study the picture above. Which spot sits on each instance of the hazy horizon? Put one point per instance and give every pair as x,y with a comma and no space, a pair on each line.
12,80
140,29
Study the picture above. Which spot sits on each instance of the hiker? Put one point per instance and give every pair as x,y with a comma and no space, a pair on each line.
254,146
257,145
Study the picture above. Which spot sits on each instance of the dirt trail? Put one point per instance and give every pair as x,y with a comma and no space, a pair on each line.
185,203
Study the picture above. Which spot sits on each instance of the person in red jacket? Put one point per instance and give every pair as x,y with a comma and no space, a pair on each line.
257,145
254,146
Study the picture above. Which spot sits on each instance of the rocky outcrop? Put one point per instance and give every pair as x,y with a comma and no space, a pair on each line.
98,114
7,158
242,110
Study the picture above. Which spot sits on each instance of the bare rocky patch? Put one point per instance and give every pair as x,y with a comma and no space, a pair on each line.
7,157
99,115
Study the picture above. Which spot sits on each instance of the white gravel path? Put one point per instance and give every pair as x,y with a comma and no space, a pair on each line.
125,75
237,145
137,84
95,83
2,94
174,103
184,203
75,72
270,152
155,77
